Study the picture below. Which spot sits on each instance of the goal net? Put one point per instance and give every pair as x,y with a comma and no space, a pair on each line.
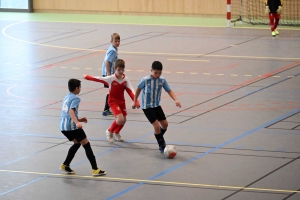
253,12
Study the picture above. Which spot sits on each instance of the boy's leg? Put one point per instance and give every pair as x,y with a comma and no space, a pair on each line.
90,155
117,135
151,114
163,126
159,136
71,153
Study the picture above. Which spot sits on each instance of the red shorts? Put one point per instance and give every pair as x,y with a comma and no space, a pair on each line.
118,109
273,16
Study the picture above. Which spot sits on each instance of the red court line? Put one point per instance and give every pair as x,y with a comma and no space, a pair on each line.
259,78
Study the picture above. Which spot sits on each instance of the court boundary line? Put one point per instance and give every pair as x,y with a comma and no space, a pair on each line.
154,182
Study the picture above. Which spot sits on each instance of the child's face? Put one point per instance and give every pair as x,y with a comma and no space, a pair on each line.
77,90
156,73
115,42
119,71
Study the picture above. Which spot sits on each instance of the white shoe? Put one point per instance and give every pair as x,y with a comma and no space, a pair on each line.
109,136
118,137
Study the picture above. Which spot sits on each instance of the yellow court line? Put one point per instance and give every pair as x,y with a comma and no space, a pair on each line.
155,182
188,60
179,72
131,52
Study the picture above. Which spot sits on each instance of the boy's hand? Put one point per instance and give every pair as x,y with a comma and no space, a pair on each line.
84,119
267,10
79,125
178,104
135,104
84,76
279,10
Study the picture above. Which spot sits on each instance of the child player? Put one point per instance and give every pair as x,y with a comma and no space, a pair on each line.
151,87
108,66
116,83
71,127
273,9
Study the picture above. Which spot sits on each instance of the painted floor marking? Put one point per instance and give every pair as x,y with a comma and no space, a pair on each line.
156,182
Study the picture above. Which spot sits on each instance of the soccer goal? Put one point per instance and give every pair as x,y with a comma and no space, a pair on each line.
253,12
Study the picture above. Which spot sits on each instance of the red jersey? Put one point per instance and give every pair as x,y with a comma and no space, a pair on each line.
116,87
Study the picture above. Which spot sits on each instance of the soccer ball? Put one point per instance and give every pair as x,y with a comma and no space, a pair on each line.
170,151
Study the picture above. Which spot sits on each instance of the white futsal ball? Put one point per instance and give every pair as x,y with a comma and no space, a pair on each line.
170,151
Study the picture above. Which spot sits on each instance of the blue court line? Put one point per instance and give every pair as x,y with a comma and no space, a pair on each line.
205,153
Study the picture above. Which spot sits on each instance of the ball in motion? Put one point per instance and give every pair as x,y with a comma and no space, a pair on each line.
170,151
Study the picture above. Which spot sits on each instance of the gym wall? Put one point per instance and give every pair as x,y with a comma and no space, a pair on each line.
209,8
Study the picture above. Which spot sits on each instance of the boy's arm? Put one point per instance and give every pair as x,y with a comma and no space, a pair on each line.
74,118
173,96
107,65
129,89
135,103
105,80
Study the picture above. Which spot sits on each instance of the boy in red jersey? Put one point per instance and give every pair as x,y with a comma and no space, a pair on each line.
117,83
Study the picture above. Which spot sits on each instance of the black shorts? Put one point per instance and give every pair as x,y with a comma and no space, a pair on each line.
104,84
77,134
154,114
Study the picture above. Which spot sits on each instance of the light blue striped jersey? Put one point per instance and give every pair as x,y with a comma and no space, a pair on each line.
151,91
69,102
111,56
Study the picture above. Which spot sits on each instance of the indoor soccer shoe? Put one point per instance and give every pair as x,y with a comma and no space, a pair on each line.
107,113
161,149
67,169
276,32
118,137
109,136
98,172
273,33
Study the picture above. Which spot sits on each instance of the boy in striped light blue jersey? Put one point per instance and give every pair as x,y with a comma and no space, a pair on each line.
108,66
71,127
151,88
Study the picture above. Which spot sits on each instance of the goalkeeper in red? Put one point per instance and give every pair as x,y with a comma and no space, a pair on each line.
273,8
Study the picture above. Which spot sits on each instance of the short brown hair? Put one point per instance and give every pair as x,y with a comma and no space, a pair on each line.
115,36
120,63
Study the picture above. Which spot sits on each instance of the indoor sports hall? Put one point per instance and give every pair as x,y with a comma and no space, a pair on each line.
237,133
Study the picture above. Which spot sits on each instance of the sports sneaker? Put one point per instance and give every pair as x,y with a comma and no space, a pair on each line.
98,172
107,113
273,33
118,137
161,149
276,32
67,169
109,136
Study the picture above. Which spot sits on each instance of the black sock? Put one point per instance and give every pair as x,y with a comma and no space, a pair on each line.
162,131
160,140
90,155
106,107
72,151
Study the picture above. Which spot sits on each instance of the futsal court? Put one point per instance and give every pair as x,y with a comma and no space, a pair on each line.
237,133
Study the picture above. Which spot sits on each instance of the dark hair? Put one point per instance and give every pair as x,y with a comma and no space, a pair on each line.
115,36
73,84
120,63
156,65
